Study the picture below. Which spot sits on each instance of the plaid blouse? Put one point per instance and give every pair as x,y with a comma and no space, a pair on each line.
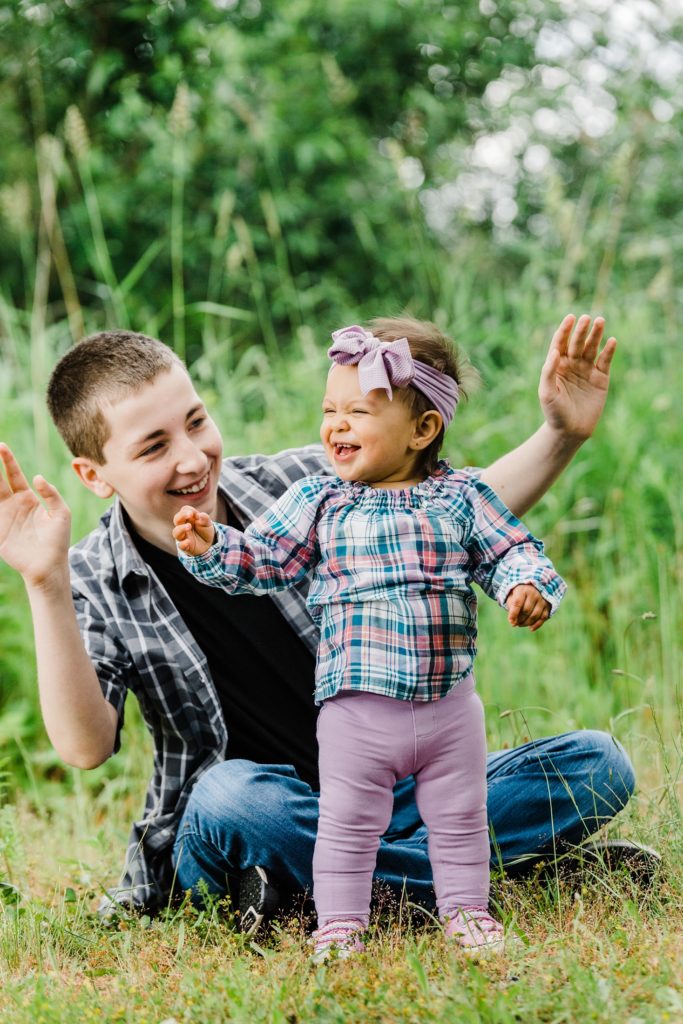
138,642
391,575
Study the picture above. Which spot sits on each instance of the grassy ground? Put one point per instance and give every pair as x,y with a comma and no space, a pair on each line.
600,951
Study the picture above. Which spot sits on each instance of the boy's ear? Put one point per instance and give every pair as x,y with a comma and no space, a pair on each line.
427,428
88,472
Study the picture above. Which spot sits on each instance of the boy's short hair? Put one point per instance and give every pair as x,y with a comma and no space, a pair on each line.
101,368
429,345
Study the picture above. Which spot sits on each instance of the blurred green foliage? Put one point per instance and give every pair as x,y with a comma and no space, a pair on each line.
281,123
278,158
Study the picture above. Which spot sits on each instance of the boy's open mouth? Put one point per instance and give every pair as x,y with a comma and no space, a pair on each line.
345,451
193,488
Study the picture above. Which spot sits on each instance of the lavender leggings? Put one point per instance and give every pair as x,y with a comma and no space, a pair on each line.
367,742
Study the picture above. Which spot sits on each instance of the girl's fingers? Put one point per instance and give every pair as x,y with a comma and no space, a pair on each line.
516,604
526,606
541,614
185,515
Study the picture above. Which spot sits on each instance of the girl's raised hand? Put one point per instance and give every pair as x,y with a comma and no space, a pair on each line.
193,531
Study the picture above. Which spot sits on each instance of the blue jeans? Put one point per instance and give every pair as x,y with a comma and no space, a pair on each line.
543,796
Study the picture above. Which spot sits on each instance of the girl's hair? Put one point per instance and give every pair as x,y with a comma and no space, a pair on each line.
431,346
98,370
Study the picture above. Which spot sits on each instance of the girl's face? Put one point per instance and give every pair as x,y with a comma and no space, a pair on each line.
370,437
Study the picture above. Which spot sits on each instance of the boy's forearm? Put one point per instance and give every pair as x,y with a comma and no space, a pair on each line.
522,476
81,724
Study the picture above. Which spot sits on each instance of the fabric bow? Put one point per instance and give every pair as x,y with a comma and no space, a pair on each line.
380,363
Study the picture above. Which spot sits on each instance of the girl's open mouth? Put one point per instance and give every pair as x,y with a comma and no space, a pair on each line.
345,451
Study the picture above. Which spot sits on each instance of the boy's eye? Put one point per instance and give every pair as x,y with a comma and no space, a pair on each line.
152,448
198,421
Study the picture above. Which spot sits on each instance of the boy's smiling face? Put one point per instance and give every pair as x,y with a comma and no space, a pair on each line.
163,452
369,437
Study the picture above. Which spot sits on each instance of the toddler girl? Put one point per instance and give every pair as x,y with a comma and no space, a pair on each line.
393,542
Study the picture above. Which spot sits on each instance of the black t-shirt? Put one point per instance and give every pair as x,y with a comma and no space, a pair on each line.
263,672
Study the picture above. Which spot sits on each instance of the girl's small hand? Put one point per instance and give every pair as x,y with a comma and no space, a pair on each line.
193,531
527,607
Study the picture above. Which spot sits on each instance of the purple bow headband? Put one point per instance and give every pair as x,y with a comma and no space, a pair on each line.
383,363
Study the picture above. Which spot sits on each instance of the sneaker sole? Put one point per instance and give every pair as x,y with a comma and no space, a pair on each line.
258,900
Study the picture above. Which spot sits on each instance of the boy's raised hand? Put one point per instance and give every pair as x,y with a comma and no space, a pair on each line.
193,531
34,534
575,376
527,607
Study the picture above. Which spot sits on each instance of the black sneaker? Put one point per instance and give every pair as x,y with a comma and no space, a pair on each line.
258,899
641,862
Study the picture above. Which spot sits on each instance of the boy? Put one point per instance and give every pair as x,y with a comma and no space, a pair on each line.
117,612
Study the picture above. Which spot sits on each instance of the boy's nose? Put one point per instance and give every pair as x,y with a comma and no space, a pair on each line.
189,458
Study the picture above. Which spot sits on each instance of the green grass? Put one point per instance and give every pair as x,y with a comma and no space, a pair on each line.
602,951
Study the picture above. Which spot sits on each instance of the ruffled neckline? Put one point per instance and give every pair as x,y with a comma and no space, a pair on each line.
417,496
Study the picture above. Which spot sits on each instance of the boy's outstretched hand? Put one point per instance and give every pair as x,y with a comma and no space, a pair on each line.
575,376
193,531
35,525
527,607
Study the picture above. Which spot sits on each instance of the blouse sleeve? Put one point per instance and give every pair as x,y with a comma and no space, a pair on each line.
274,552
503,552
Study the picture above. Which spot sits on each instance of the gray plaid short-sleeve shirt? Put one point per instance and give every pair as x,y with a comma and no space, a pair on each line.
137,641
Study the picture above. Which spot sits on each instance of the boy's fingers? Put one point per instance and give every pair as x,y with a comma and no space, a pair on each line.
607,355
49,493
548,385
16,479
578,338
560,338
590,349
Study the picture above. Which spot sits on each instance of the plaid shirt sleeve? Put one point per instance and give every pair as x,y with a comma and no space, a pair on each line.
110,661
504,553
274,552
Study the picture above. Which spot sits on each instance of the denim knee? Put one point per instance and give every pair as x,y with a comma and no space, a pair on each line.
611,771
228,791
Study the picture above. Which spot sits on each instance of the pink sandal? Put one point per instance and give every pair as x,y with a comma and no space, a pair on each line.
340,939
475,931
